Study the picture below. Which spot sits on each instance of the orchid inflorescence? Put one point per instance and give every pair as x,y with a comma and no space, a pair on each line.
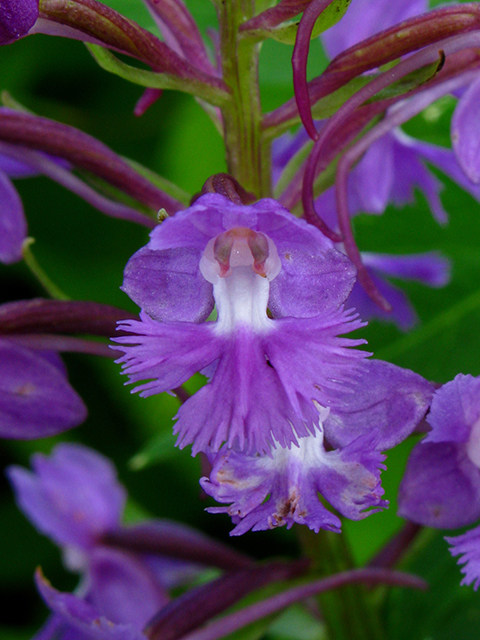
248,290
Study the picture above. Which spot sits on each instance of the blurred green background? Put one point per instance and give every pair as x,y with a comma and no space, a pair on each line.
85,253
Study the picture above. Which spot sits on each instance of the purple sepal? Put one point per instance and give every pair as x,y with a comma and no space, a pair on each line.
73,496
168,285
455,409
267,492
467,546
13,224
465,135
35,397
403,314
123,588
385,400
84,617
17,17
441,486
365,18
429,268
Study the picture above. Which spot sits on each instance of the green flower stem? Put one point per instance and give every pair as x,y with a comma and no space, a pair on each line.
248,155
349,613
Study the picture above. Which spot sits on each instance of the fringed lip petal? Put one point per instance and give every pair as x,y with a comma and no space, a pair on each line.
467,546
282,489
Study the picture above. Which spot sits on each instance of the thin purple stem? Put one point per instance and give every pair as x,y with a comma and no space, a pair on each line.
67,179
396,546
84,151
49,342
299,63
237,620
401,39
418,60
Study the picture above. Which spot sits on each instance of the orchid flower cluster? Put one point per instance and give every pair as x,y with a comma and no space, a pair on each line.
252,299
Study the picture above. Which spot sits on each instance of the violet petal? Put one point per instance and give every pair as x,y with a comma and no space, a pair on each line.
36,398
73,496
441,486
17,17
385,399
13,224
465,134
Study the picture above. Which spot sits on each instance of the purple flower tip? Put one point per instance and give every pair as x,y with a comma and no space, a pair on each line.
17,17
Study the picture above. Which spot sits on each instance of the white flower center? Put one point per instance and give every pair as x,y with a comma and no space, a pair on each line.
240,264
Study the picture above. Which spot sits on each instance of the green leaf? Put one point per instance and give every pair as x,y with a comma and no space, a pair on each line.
443,612
287,32
158,449
108,61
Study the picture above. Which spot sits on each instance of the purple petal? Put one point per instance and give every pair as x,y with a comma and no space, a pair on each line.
168,285
15,169
455,410
385,400
73,496
364,18
410,172
314,276
467,546
403,314
123,588
443,159
13,225
17,17
268,492
441,486
35,397
430,268
83,617
373,177
297,362
465,134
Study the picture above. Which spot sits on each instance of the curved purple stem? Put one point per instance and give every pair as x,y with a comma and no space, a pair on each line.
48,342
230,623
299,63
58,173
416,61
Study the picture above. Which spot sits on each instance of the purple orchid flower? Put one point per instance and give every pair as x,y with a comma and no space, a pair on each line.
245,259
74,498
441,486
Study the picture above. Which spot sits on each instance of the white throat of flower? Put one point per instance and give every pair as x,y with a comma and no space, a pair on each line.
473,444
240,264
